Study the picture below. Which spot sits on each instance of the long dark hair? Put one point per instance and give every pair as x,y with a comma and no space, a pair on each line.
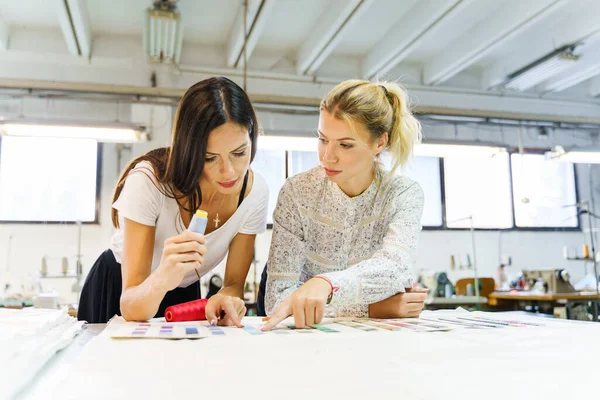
204,107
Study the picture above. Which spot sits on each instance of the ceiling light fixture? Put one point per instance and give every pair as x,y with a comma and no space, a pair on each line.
102,132
574,156
542,69
163,32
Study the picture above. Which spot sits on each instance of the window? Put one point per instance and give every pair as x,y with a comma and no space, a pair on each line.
301,161
271,165
48,179
541,190
478,186
426,171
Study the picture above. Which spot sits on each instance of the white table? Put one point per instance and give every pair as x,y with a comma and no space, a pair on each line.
498,364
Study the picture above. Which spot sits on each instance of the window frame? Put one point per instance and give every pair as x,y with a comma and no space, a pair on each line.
512,151
578,228
446,228
98,201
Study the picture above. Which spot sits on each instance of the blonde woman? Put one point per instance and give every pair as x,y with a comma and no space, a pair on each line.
345,232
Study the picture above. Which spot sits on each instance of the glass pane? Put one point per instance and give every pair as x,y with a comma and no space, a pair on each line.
271,165
301,161
48,179
425,171
478,186
541,190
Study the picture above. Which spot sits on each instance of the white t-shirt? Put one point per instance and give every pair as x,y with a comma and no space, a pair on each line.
141,201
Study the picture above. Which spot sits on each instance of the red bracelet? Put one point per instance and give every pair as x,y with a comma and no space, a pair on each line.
333,288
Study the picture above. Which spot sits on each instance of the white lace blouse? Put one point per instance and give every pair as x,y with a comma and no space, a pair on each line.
366,245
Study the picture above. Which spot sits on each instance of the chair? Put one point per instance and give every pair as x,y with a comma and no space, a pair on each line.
486,286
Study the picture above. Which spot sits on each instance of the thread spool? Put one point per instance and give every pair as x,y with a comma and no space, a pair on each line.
448,291
469,289
191,311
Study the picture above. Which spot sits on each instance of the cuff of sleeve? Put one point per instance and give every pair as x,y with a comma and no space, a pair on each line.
339,292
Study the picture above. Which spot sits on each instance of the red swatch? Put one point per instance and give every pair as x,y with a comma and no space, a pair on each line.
190,311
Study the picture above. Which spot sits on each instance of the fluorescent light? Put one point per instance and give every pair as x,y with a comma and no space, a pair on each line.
573,79
454,118
287,143
163,33
542,69
574,156
451,150
102,133
503,121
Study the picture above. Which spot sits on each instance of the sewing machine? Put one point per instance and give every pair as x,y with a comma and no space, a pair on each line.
553,280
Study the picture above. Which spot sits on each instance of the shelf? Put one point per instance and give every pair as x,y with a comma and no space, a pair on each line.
456,300
58,276
580,259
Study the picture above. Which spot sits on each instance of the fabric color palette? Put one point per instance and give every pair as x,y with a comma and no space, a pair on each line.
354,325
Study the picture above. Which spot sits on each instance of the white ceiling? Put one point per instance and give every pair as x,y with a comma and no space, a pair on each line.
459,44
372,26
285,34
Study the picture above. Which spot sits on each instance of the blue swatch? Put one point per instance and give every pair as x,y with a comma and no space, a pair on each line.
252,330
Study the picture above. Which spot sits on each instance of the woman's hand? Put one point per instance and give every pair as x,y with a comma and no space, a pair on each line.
225,310
402,305
306,304
181,254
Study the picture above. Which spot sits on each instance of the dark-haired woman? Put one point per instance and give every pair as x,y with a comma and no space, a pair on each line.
153,261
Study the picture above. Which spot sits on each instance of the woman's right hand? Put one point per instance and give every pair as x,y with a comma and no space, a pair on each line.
401,305
181,254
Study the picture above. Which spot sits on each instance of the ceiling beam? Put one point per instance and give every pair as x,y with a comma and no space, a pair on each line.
543,39
431,100
81,23
506,23
75,25
329,30
64,18
256,17
3,35
256,30
402,39
595,87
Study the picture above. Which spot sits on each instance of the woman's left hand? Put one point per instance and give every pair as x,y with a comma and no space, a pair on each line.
306,304
225,310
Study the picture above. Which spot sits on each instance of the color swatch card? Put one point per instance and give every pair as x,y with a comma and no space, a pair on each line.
414,325
476,321
156,330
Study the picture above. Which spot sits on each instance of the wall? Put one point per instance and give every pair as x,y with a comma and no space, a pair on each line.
31,242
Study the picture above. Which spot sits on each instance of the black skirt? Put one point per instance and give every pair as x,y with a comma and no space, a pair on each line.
262,289
101,294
